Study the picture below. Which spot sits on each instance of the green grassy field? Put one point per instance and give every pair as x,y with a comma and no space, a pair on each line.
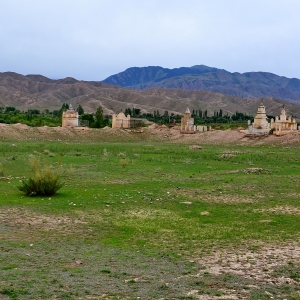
145,220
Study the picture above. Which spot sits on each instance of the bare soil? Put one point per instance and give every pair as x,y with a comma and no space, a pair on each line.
23,132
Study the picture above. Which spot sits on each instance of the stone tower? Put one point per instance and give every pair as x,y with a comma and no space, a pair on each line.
261,120
187,122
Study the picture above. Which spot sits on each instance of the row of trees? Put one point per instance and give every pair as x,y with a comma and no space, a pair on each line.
200,117
35,117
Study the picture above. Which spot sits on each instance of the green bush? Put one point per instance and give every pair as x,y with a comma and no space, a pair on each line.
45,183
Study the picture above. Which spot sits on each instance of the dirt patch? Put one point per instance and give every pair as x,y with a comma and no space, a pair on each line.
23,132
29,219
258,265
286,210
264,267
216,197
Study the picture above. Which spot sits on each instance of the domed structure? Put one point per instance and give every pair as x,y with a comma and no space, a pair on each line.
126,122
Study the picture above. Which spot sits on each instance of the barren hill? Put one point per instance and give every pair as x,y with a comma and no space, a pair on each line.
39,92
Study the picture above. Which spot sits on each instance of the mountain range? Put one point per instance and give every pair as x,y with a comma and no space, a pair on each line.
40,92
245,85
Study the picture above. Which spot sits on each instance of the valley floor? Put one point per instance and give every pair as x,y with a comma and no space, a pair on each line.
150,214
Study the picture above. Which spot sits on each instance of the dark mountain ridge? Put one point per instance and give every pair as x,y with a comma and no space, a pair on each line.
245,85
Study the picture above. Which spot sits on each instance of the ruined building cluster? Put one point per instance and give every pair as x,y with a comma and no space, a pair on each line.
282,124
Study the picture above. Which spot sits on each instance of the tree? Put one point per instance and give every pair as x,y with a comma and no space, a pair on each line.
136,112
80,110
127,112
99,117
9,109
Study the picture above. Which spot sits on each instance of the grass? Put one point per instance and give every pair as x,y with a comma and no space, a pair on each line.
134,219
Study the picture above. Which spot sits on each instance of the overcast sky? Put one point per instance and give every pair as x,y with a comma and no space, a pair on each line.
93,39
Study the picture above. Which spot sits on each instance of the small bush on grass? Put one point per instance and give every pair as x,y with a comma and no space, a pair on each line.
34,163
45,183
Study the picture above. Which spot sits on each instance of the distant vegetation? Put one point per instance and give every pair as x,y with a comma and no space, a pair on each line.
200,117
37,118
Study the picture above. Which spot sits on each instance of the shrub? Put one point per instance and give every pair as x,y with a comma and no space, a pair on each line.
34,163
122,155
124,162
45,183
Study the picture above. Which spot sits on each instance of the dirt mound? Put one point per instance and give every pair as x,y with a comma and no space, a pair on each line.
23,132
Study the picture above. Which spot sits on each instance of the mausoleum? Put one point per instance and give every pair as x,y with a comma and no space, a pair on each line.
283,124
187,123
122,121
70,118
260,126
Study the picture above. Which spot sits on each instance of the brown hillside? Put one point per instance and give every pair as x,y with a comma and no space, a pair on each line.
39,92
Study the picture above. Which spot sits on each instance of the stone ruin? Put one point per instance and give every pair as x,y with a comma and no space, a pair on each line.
70,118
282,125
126,122
187,124
260,126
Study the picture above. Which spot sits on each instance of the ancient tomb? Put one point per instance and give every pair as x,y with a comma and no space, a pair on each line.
122,121
260,126
70,118
283,124
187,123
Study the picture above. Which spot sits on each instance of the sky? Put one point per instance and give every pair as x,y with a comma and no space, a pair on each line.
93,39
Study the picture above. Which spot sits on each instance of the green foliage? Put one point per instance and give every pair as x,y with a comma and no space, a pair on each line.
80,110
99,117
45,183
200,117
31,117
34,117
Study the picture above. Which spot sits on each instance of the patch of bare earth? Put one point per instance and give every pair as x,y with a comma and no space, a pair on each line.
154,132
256,266
25,220
288,210
199,195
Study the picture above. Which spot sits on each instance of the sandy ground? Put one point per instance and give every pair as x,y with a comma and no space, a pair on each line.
21,132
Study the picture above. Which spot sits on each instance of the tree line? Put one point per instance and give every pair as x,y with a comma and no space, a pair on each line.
200,117
45,117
